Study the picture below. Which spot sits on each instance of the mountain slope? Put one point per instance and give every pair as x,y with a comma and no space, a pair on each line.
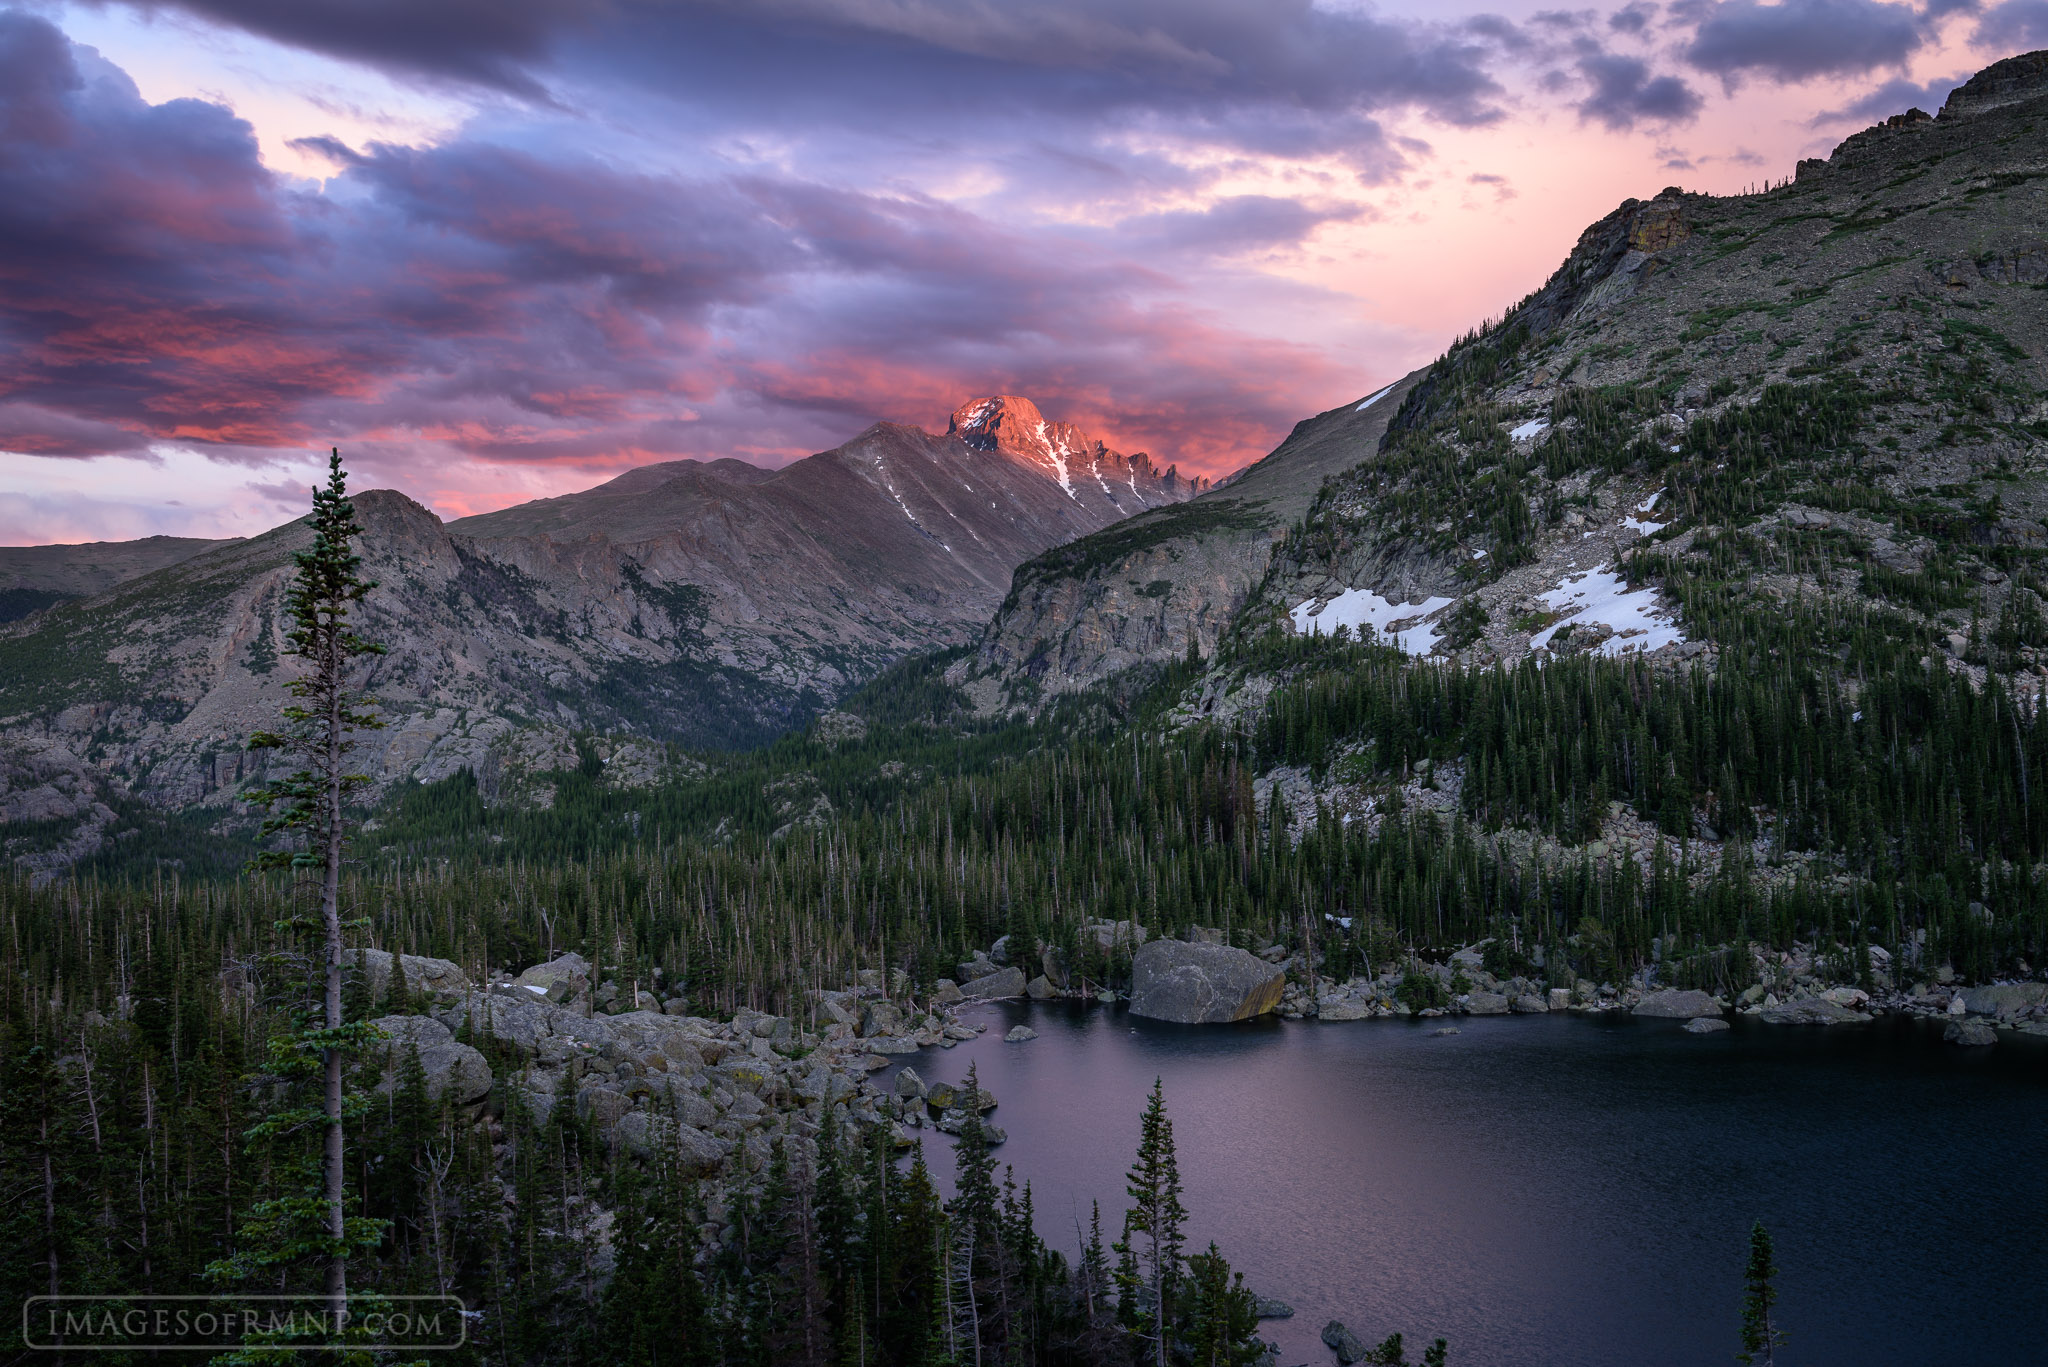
1832,392
1143,590
33,577
701,603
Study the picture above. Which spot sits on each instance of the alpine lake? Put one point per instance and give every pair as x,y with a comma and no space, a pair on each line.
1557,1189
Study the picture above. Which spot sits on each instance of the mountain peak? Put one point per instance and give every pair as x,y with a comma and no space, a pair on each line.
1006,422
1014,427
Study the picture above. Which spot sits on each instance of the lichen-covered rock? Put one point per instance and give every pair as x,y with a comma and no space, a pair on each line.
1673,1004
561,978
1486,1004
1969,1032
1106,937
1202,984
2004,999
454,1071
440,978
1004,982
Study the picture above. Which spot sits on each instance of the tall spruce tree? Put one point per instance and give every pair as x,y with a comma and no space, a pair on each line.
311,809
1760,1336
1156,1216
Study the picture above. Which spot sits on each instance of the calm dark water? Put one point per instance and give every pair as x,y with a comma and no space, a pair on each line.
1555,1190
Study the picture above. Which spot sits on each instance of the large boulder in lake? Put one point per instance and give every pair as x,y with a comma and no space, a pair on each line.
1348,1346
1006,982
1678,1005
1964,1031
1202,984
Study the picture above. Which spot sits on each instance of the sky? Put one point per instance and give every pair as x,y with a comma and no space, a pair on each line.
497,250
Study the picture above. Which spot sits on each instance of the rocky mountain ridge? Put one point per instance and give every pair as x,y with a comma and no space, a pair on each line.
704,604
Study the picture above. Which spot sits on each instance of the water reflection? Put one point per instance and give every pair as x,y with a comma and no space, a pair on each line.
1560,1190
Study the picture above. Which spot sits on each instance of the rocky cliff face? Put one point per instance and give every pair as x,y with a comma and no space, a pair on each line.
1144,590
699,603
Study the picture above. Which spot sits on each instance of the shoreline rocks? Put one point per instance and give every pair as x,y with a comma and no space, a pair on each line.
1348,1347
1812,1011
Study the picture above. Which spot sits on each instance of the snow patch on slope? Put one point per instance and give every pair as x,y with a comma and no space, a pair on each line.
1372,399
1603,598
1369,616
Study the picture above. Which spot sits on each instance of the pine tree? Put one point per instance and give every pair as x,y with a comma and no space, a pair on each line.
311,806
1760,1337
1156,1216
1221,1313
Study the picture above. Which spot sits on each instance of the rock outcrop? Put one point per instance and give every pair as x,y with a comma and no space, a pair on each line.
2004,999
1198,984
454,1072
1004,982
1674,1004
1975,1034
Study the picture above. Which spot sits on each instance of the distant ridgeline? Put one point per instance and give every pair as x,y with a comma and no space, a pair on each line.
1706,590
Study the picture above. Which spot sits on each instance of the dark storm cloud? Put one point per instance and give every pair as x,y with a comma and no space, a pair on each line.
158,283
1623,92
1228,67
1796,40
492,43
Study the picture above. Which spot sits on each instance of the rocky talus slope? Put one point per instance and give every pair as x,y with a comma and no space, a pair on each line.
704,604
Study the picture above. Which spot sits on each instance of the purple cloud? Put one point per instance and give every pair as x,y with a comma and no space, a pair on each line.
158,283
1796,40
1623,92
2014,24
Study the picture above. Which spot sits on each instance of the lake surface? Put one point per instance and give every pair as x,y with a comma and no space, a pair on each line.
1560,1190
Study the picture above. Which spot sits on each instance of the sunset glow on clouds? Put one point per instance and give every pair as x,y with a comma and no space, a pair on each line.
498,249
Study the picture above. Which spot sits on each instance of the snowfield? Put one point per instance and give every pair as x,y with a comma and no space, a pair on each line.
1602,598
1369,615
